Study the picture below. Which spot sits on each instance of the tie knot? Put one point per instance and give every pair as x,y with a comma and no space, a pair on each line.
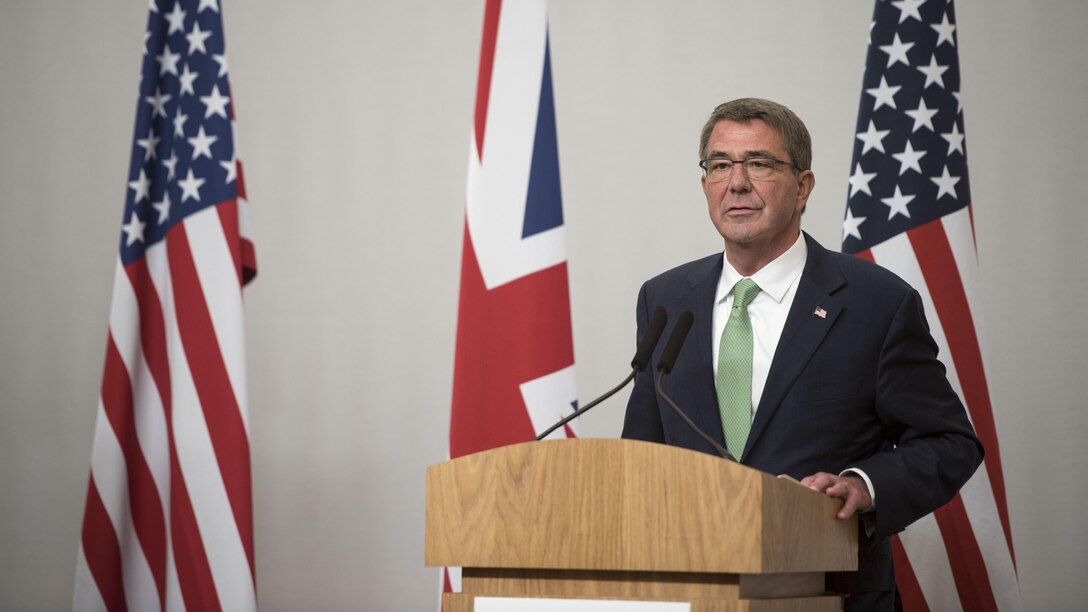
744,292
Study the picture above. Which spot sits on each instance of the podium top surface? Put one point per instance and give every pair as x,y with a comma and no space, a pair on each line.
605,504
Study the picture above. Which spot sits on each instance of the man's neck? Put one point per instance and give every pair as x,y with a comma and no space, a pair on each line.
747,259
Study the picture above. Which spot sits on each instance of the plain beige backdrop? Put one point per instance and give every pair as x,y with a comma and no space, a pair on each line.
353,123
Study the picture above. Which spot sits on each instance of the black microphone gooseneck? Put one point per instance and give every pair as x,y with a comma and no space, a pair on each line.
664,366
638,364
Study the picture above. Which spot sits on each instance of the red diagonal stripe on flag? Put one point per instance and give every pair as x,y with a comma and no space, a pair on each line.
910,591
102,551
226,429
228,218
241,181
146,506
867,255
968,567
190,558
152,330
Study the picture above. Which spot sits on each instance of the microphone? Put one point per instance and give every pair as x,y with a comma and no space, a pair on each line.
638,364
649,341
676,340
665,364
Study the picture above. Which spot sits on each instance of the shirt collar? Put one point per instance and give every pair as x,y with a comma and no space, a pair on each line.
774,279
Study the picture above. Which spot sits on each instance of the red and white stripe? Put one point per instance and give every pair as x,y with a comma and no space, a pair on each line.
953,570
168,522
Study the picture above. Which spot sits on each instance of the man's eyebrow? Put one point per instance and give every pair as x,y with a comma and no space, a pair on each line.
747,154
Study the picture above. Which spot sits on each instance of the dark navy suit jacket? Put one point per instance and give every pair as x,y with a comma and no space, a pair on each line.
858,387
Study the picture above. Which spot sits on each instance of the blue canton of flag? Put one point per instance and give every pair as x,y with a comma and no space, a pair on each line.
183,156
910,161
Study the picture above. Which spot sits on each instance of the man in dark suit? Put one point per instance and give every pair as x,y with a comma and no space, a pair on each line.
828,374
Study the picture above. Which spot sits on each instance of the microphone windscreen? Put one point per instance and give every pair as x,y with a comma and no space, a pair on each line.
676,340
650,339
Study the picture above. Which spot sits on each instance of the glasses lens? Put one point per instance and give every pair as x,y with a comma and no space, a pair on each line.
718,169
759,167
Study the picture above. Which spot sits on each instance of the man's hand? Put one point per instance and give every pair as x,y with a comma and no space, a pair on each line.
851,489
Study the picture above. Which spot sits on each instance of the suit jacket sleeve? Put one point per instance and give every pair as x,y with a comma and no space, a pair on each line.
935,448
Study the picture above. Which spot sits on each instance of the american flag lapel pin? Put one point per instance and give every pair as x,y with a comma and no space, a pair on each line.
820,312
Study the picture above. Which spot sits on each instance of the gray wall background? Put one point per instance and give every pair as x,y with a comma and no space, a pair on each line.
351,322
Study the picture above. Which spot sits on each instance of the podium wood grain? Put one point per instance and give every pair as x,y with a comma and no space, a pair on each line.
601,504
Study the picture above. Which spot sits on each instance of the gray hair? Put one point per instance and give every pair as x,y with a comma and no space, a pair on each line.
745,110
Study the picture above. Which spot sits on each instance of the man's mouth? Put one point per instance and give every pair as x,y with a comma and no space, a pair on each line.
740,210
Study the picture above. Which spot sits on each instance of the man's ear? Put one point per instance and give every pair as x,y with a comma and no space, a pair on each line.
806,182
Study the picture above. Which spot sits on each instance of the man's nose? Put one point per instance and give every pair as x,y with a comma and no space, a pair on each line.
738,179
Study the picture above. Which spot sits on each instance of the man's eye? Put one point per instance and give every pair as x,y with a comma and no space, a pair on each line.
760,164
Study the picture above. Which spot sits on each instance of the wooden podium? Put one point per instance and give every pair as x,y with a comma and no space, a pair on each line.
622,519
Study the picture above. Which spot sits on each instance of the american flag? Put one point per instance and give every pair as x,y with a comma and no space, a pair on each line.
168,519
514,363
909,209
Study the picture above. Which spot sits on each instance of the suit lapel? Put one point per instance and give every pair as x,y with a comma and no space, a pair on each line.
691,384
814,311
703,308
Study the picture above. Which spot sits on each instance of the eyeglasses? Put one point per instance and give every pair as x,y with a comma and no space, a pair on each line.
719,169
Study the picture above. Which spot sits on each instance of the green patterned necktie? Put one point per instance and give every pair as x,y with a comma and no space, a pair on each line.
734,382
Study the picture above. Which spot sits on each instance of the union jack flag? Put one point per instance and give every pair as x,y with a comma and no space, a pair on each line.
909,209
514,363
168,518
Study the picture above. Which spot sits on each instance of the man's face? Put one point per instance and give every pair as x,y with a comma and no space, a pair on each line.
758,217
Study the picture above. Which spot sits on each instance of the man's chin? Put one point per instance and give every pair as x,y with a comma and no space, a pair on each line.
741,230
739,238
